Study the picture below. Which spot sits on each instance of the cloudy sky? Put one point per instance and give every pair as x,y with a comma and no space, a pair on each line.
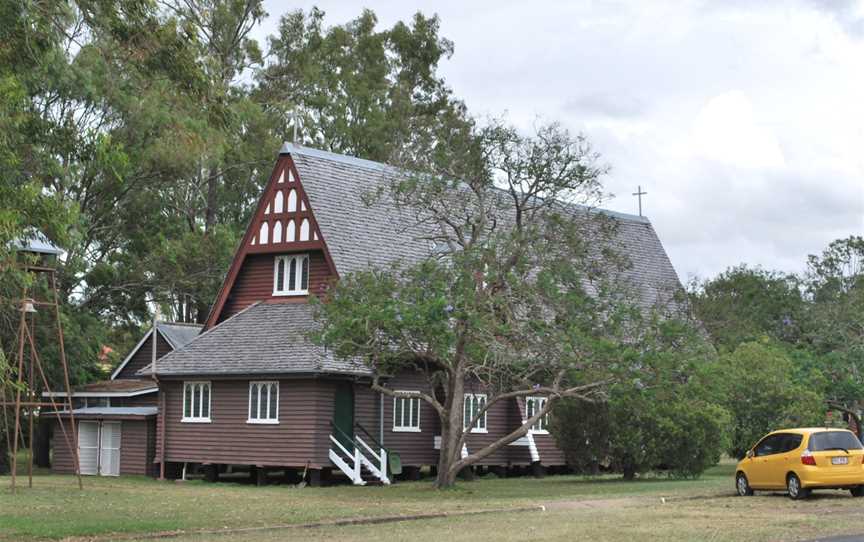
744,121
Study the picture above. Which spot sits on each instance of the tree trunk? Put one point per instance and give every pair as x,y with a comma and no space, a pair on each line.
629,472
210,212
451,430
4,452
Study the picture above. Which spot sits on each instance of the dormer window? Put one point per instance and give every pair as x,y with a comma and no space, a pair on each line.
291,275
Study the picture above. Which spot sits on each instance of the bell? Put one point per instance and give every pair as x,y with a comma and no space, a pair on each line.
27,306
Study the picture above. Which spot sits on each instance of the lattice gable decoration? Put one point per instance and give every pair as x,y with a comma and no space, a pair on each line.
283,223
287,222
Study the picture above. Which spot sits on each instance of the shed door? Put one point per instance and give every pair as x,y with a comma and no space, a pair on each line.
88,447
109,456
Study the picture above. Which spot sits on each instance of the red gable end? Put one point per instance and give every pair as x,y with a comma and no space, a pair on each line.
283,224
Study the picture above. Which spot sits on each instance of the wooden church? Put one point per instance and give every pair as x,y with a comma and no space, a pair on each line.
251,390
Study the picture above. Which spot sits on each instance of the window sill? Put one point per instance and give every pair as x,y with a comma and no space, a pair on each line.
538,432
481,431
290,294
195,420
263,422
406,429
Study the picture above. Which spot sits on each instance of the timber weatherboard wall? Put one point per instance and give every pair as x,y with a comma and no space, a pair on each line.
418,448
254,282
137,446
145,400
143,357
414,448
301,436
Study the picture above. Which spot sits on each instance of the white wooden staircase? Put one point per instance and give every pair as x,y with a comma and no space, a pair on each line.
361,465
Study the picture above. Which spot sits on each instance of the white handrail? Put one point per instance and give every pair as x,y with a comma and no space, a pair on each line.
371,452
380,471
352,463
343,448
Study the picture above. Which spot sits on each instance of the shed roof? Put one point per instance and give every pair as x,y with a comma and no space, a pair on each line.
265,338
127,387
36,241
100,412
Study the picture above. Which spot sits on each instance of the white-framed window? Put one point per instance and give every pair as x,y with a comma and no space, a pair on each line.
406,414
533,405
278,202
292,201
263,402
95,402
473,403
196,402
291,275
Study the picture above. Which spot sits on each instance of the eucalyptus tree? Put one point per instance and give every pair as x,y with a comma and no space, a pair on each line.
520,295
352,88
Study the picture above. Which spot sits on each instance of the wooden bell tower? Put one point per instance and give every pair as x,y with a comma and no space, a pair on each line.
38,256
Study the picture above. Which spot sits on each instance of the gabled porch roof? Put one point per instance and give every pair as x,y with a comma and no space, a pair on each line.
265,338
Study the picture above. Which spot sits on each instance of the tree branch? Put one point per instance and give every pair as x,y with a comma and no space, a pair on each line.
376,386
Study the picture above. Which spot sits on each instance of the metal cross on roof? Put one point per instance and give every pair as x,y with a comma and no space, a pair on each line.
639,193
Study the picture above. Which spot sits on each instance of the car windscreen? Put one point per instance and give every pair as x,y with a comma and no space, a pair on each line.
833,440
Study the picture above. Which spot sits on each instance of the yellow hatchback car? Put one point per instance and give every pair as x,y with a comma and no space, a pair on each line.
800,460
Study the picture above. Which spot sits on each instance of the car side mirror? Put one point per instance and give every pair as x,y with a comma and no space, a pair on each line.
749,454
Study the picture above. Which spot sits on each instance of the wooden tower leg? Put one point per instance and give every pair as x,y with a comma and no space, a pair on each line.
74,449
21,331
54,405
31,384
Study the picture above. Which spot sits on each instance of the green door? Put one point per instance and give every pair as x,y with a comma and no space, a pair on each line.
343,414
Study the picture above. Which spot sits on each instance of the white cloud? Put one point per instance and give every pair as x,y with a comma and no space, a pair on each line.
743,120
726,130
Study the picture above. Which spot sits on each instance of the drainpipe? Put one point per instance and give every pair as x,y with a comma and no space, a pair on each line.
381,419
161,395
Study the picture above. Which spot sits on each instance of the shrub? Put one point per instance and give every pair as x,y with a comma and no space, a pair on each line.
582,431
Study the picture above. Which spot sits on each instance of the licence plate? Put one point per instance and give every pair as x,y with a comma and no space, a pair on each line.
839,460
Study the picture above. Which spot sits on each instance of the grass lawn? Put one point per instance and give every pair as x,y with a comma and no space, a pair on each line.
577,508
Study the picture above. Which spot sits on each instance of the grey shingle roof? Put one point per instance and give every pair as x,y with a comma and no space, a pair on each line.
273,338
359,235
266,338
179,335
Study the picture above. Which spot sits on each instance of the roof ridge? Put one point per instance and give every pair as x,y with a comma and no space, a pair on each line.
181,324
293,148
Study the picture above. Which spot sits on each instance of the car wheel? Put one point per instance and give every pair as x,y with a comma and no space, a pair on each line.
793,486
857,491
742,486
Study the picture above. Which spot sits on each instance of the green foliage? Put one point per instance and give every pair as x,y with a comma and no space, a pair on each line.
505,301
657,416
790,342
745,304
582,431
356,89
835,333
695,434
759,385
137,137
